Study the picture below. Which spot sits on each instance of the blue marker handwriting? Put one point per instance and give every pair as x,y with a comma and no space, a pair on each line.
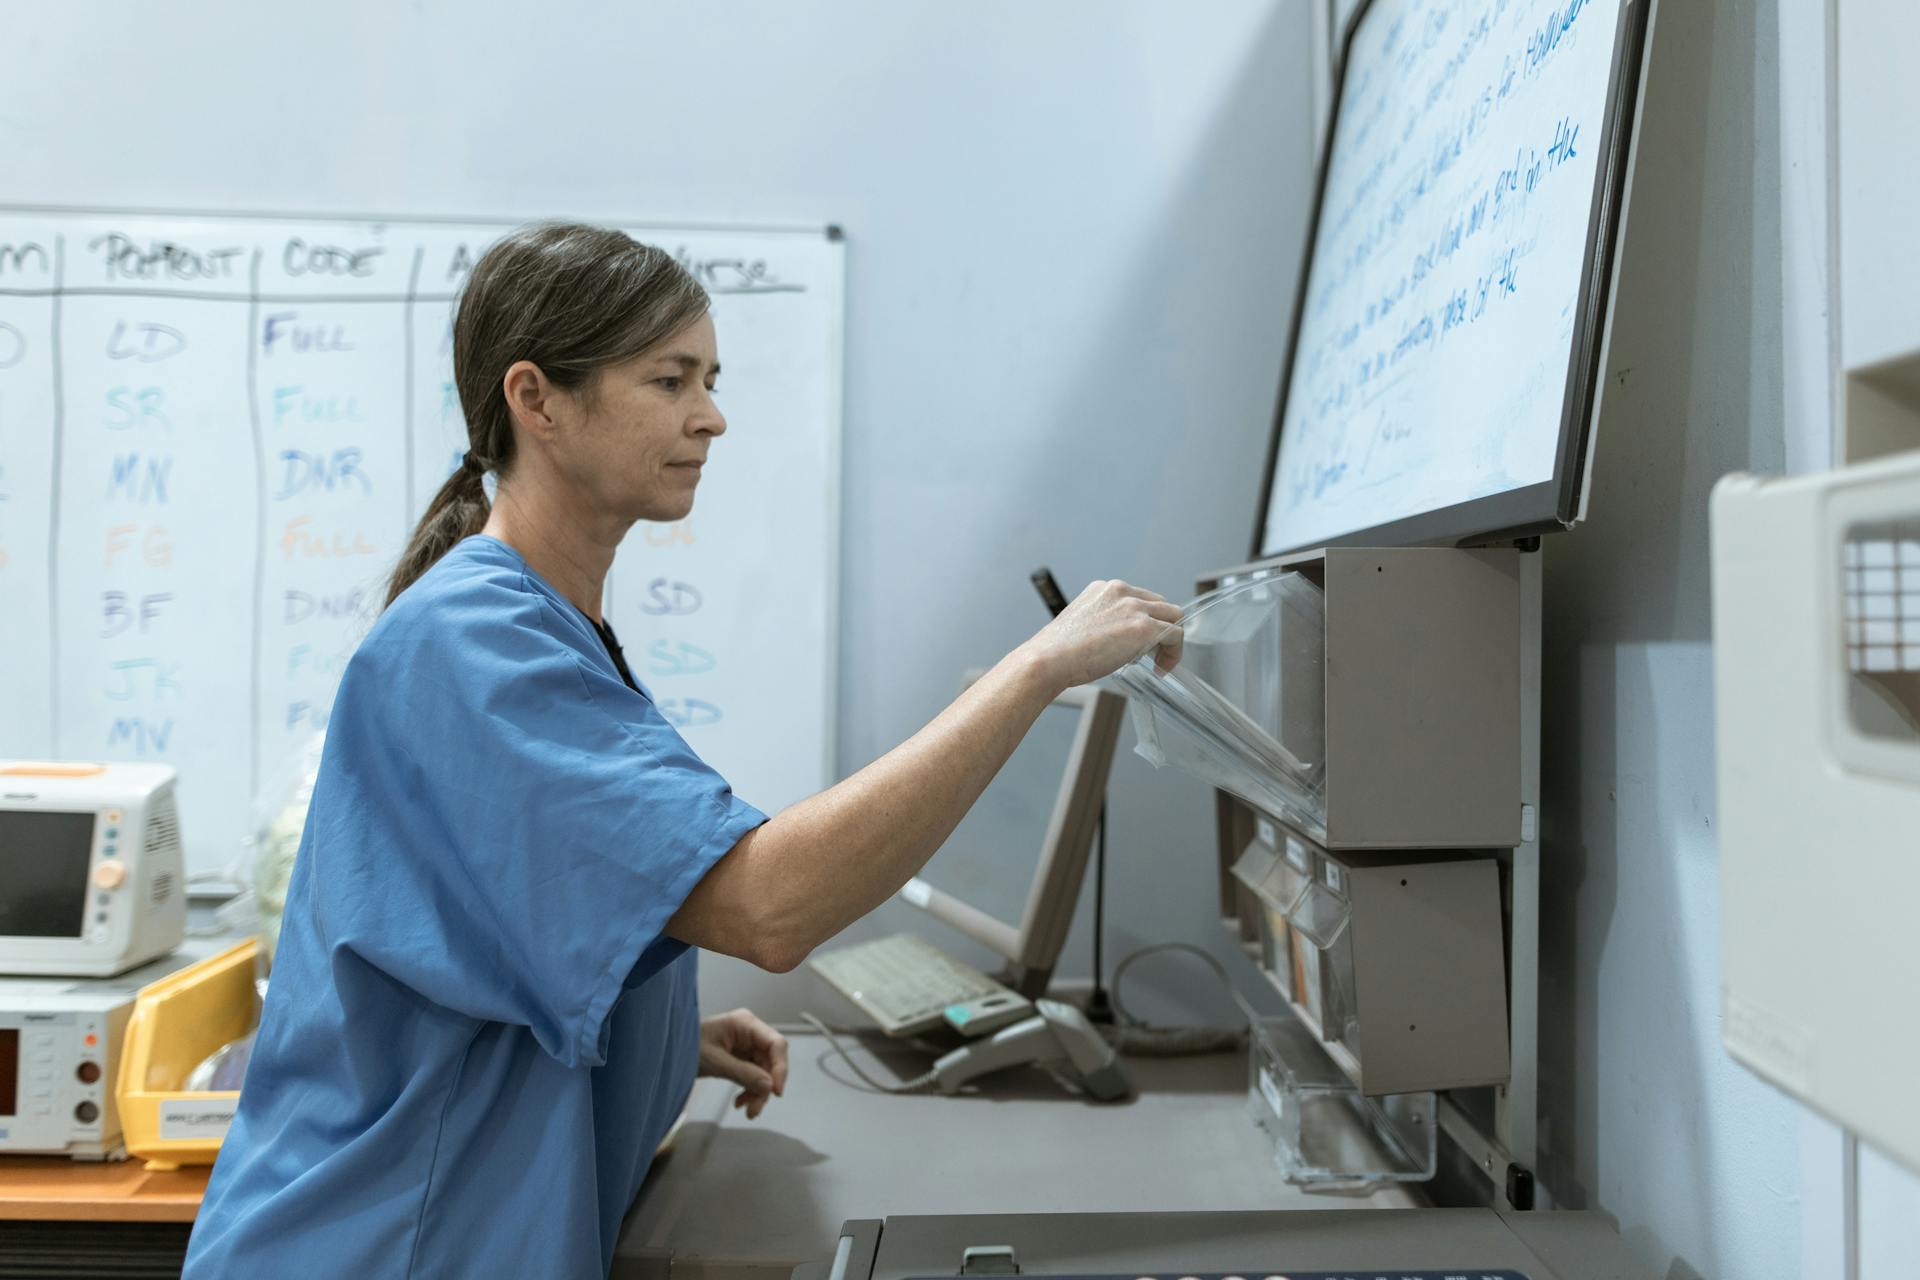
140,735
121,611
140,479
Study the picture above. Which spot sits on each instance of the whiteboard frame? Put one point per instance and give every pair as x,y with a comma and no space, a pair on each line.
836,489
831,232
1557,502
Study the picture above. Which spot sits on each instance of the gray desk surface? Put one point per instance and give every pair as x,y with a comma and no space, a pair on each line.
736,1197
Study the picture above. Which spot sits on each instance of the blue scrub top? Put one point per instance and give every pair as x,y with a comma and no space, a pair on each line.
476,1034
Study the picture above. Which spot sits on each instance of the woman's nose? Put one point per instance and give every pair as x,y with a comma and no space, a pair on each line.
707,419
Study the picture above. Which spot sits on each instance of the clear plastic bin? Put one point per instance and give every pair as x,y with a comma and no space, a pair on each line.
1325,1132
1315,911
1246,708
1309,903
1340,1014
1259,642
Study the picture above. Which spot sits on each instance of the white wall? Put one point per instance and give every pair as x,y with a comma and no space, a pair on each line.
1879,271
1848,291
1644,1113
1723,360
1087,378
1808,399
1073,233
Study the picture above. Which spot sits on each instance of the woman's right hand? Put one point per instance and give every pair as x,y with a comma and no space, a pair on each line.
1107,626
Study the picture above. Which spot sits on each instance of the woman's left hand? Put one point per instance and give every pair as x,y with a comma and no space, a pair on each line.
739,1047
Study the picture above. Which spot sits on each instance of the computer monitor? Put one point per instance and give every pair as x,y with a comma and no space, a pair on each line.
1446,356
985,893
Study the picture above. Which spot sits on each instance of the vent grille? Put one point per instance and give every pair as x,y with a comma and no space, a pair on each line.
1883,597
163,841
124,1250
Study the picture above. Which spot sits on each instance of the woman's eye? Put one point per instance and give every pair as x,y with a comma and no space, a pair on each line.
670,383
713,389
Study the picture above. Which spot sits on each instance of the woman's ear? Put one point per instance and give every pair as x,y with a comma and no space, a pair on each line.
531,399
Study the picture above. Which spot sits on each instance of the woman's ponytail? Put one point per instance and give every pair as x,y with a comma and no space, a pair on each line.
458,511
572,299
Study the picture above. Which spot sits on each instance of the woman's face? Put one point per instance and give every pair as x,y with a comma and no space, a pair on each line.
641,437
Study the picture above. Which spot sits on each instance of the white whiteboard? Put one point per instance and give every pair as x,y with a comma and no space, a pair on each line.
1437,327
216,434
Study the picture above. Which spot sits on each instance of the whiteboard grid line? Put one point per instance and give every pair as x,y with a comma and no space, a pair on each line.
413,287
259,524
388,299
53,507
204,295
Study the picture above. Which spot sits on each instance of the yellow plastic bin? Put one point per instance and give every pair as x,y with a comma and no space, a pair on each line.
177,1023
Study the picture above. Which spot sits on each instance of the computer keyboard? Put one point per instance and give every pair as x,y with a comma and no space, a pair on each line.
904,983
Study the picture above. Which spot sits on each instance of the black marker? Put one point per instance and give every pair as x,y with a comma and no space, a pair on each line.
1049,589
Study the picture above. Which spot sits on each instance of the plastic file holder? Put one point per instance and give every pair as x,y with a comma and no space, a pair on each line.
1358,711
1244,708
1325,1131
1368,698
1378,859
1397,964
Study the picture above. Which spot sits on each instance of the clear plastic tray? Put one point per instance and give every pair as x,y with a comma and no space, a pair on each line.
1325,1131
1259,642
1317,911
1245,710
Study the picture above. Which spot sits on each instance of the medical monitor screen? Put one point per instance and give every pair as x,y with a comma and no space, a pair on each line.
1444,360
43,873
9,1070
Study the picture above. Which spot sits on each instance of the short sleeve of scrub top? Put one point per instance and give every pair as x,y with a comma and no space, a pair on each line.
476,1032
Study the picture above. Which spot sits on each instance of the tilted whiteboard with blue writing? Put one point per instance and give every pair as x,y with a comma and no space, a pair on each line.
215,437
1447,343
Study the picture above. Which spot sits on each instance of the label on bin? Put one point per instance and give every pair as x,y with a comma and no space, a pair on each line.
185,1119
1297,855
1271,1093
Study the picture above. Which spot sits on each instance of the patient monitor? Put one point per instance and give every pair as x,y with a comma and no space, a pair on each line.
91,874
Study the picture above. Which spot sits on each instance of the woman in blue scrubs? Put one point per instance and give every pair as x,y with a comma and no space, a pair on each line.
483,1017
